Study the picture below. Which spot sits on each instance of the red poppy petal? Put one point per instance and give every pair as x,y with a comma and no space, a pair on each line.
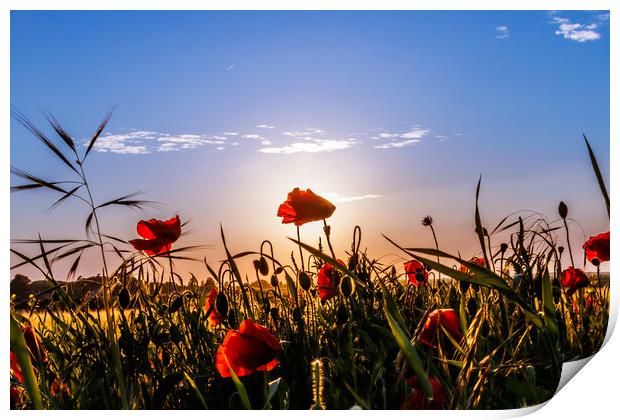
144,229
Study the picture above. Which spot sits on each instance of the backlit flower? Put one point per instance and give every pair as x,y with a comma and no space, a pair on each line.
304,206
447,318
574,279
215,318
328,281
415,270
157,235
597,247
247,350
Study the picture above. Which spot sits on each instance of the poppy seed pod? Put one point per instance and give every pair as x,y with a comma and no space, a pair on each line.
427,221
123,298
346,286
221,303
503,247
304,280
563,210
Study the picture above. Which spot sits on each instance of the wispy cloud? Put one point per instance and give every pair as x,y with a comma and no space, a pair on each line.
314,146
576,31
307,140
402,139
501,32
337,198
230,67
143,142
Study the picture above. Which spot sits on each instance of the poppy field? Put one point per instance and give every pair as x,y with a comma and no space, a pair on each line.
312,326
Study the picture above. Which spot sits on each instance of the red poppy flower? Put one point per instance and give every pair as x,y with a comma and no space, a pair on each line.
304,206
38,354
16,370
447,318
157,235
476,260
415,270
246,350
16,374
597,247
328,281
418,400
215,318
573,279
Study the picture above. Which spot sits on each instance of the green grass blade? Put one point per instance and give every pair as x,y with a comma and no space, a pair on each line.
410,353
599,176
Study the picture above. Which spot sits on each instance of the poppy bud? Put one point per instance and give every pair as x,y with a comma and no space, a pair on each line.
304,280
346,286
342,315
262,266
221,303
353,262
123,298
560,249
327,229
274,281
266,304
503,247
279,270
427,221
232,318
176,304
563,210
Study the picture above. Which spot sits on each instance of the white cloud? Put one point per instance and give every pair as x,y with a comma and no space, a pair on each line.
317,146
143,142
401,139
337,198
232,66
577,32
230,133
252,136
387,135
397,144
264,126
501,32
415,134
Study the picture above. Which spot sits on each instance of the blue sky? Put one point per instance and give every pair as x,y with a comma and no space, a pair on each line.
392,115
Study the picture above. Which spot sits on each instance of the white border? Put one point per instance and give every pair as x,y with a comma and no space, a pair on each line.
592,394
